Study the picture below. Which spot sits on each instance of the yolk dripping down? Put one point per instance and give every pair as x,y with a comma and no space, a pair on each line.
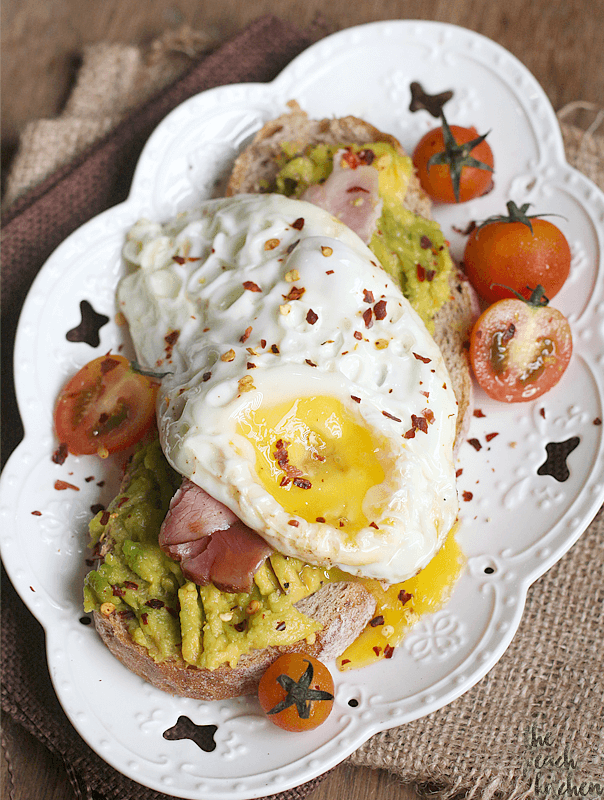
316,460
402,604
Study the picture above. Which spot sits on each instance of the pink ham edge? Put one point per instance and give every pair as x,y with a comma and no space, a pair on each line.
351,195
210,542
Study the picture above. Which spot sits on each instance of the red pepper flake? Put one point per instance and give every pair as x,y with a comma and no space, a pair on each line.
467,496
380,309
373,525
240,626
345,661
294,523
404,596
410,434
542,412
356,189
429,415
291,247
251,286
421,273
105,517
390,416
172,338
320,519
127,613
459,473
425,243
155,603
358,335
420,423
350,159
479,413
274,349
89,478
368,317
285,481
302,483
377,650
376,621
475,444
130,585
388,651
311,317
122,501
368,296
490,436
263,343
178,259
117,591
422,358
597,421
425,394
108,364
298,224
295,293
356,399
366,156
246,334
37,513
310,363
61,485
329,272
206,376
60,454
430,273
280,626
250,365
144,616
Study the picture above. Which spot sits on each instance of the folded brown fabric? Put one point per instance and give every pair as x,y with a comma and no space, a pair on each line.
31,229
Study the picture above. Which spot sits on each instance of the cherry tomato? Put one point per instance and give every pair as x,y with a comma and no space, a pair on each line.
296,692
105,407
459,164
519,349
516,251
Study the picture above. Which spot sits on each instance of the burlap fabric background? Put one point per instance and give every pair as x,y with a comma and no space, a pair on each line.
533,726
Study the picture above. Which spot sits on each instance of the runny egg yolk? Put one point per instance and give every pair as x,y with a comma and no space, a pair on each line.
317,461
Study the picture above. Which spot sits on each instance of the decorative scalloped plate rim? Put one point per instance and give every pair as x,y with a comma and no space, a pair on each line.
516,525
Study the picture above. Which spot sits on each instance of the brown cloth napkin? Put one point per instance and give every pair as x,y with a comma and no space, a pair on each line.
533,726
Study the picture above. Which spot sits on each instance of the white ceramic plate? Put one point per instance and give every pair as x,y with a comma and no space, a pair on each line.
517,524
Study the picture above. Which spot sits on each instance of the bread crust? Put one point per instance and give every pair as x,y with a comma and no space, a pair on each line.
343,608
256,168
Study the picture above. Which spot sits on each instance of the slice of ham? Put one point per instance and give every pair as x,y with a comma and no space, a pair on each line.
210,542
350,194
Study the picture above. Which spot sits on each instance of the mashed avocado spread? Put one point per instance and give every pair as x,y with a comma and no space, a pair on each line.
410,248
168,615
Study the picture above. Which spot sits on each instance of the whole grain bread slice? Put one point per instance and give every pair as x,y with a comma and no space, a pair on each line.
343,608
255,171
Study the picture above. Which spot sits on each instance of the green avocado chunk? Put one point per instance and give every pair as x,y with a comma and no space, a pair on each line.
411,249
174,618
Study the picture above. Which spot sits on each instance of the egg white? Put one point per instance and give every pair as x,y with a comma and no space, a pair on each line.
191,315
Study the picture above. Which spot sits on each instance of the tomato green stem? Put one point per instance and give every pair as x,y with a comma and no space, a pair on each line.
457,156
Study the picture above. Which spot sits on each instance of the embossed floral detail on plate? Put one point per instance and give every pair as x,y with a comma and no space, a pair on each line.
435,637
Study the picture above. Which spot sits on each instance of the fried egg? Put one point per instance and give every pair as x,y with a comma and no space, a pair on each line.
301,389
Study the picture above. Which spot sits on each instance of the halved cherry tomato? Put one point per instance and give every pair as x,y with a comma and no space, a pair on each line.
520,349
454,164
296,692
105,407
518,251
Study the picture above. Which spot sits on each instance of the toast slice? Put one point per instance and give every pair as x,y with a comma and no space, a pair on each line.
255,171
343,608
